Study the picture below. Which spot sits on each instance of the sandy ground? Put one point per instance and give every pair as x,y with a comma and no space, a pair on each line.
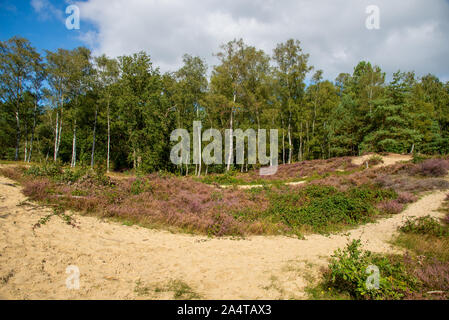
112,257
389,159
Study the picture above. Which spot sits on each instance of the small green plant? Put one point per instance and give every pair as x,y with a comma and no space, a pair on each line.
5,278
68,219
349,270
216,196
140,289
375,160
180,290
225,178
80,193
137,187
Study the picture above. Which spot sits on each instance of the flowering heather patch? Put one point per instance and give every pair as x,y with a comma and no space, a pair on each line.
37,189
432,168
302,169
406,197
159,200
411,184
391,207
185,203
432,275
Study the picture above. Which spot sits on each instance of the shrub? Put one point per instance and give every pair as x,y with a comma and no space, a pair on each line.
406,197
432,168
51,170
375,160
418,158
72,175
37,189
324,207
425,226
411,184
391,207
431,273
348,273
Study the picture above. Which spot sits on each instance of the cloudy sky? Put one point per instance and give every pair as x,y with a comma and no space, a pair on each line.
413,34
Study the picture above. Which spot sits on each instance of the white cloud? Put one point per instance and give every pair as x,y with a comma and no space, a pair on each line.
413,34
46,10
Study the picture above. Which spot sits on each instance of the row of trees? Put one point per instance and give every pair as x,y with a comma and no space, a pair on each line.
68,105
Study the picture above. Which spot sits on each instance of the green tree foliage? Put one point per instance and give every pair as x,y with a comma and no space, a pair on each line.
72,107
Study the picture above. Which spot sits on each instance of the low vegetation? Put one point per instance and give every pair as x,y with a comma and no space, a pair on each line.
329,202
349,270
178,289
421,273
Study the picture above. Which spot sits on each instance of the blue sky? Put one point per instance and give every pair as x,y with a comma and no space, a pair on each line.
413,34
44,30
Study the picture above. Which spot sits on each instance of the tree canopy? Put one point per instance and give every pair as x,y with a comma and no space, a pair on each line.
69,106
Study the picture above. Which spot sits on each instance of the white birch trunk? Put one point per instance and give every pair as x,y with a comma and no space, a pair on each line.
289,144
73,164
109,139
231,147
56,136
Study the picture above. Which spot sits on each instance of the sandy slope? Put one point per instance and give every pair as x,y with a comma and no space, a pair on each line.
112,257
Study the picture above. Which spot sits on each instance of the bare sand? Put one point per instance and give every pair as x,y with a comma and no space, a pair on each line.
113,258
389,159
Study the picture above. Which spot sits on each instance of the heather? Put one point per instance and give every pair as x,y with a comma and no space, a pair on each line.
286,172
152,200
337,196
188,205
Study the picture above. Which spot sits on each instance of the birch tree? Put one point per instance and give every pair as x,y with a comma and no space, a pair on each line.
58,68
17,57
107,76
290,72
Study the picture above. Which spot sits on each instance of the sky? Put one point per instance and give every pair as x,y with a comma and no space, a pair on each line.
413,34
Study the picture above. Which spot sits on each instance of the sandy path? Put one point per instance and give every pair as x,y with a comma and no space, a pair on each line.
111,257
256,186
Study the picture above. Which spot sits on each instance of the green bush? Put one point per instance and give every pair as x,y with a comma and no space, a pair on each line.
324,207
225,178
418,157
373,195
348,272
55,172
51,170
425,226
72,175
